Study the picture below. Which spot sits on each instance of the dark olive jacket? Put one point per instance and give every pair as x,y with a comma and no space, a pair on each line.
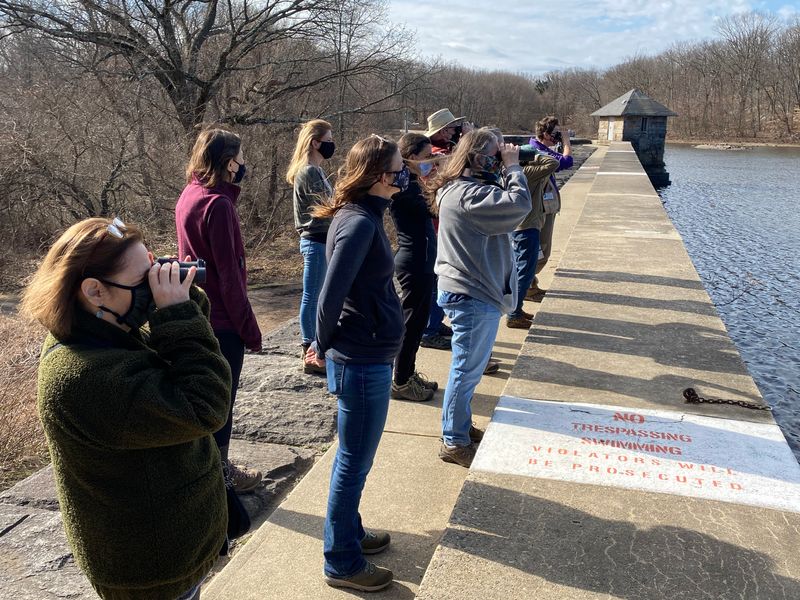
128,419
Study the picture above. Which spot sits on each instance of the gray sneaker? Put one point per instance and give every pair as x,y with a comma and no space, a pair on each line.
425,382
375,542
460,455
437,342
371,578
411,390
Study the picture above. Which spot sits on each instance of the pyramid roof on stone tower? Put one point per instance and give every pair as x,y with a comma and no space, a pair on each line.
634,104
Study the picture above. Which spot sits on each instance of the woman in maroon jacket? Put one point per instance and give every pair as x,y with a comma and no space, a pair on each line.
208,228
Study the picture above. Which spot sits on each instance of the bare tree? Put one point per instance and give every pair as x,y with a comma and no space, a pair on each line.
188,46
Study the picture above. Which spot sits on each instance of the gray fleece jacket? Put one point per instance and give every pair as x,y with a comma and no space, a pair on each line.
474,256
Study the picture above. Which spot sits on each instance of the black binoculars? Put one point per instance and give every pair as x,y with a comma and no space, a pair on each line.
199,277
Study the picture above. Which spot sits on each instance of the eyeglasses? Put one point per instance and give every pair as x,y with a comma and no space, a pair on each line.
116,228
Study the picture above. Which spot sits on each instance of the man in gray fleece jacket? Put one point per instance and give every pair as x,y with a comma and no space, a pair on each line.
478,208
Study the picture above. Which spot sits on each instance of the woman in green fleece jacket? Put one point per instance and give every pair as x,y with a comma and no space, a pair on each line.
129,411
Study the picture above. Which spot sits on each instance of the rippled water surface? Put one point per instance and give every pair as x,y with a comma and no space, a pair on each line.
739,215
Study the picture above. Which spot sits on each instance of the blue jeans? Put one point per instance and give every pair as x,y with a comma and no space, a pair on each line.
436,317
474,326
315,266
363,391
526,254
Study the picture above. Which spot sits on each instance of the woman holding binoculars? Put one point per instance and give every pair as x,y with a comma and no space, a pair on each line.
129,412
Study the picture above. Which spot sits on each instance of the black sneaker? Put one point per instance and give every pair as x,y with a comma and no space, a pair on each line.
475,434
371,578
445,331
425,382
437,342
411,390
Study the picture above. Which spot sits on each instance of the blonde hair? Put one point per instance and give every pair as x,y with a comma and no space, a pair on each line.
87,249
367,160
212,151
477,141
310,131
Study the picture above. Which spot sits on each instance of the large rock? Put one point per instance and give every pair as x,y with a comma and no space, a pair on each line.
36,491
35,560
278,403
281,466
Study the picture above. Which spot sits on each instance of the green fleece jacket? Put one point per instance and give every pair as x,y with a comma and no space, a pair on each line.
128,419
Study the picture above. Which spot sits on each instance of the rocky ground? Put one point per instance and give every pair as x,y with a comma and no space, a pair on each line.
284,419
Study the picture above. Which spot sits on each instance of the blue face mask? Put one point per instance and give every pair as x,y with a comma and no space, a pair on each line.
401,179
425,169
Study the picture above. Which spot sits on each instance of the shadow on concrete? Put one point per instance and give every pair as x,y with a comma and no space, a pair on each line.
407,557
622,276
674,344
570,547
662,391
688,306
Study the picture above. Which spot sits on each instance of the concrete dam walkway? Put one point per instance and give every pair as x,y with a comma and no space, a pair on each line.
596,479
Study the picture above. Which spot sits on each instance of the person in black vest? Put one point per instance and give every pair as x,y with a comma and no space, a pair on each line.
413,267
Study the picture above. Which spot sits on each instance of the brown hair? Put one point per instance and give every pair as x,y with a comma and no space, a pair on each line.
212,151
412,143
474,142
87,249
546,125
367,160
310,131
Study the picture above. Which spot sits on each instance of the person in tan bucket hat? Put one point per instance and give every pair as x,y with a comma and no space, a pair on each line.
441,129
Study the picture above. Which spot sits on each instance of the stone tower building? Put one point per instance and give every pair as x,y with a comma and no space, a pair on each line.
636,118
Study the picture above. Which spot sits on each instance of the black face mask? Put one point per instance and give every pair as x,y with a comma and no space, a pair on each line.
327,149
141,304
237,178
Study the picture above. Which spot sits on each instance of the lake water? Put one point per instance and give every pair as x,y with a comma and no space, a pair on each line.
739,215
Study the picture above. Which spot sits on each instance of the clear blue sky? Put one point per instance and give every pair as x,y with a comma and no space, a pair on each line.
535,37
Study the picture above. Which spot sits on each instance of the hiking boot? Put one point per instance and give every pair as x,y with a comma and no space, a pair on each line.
437,342
535,294
475,434
411,390
243,480
445,331
518,323
375,542
460,455
526,314
371,578
492,366
425,382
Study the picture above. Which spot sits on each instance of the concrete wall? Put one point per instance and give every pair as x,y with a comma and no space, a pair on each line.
649,144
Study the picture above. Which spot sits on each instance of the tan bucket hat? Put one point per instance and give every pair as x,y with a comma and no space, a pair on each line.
441,119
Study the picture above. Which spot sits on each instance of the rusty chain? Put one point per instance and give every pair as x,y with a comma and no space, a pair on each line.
693,398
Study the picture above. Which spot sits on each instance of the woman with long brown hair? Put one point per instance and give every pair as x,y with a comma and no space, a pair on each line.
128,412
310,187
208,228
482,196
359,330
